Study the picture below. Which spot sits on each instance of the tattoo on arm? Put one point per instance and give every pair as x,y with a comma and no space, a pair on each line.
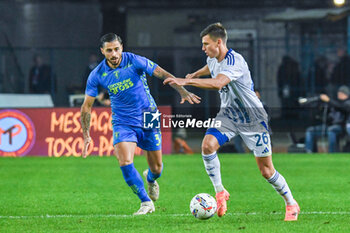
161,73
85,122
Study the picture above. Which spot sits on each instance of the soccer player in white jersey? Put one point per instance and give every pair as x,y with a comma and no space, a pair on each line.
241,113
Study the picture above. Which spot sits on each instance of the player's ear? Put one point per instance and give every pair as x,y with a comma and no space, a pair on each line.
102,50
219,41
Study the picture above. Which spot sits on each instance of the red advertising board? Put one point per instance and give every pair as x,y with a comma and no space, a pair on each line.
56,132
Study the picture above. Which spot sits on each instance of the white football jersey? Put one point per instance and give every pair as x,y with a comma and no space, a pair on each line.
238,99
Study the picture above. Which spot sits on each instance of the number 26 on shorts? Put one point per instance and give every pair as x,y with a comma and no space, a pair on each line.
263,138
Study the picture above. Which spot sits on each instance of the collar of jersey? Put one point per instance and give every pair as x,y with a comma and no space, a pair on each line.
228,52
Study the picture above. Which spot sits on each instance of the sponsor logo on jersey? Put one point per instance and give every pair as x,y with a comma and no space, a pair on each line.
121,86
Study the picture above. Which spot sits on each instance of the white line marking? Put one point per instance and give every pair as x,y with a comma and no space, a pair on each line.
160,215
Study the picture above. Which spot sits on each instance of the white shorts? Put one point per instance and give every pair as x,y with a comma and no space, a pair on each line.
255,136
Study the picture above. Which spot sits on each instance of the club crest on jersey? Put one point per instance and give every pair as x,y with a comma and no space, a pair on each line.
116,73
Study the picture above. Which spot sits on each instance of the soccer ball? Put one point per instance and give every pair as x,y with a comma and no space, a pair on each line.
203,206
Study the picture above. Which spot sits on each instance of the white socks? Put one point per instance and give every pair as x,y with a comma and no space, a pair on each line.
280,185
212,166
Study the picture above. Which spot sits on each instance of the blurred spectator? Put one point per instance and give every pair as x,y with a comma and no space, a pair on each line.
341,71
78,88
339,110
289,84
318,75
41,78
180,145
92,64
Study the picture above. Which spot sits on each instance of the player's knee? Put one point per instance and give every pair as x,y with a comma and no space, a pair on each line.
208,147
123,161
267,172
156,168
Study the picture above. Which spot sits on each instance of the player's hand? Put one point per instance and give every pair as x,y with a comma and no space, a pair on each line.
190,97
190,76
175,81
87,141
324,98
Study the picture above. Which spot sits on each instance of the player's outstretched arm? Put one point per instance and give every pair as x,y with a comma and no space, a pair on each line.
185,95
204,71
207,83
85,121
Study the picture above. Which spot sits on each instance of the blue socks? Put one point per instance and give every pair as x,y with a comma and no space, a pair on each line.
135,182
151,177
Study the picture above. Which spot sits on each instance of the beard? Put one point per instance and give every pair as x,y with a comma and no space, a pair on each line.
114,61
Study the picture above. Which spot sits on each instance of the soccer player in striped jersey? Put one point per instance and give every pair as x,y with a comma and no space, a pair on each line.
123,75
241,113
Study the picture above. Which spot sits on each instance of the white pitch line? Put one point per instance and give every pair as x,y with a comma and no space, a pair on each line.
159,215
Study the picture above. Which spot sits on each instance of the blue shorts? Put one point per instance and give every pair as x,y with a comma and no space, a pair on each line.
146,139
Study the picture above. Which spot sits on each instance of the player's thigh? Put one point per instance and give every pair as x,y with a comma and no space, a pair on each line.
265,166
124,141
124,151
216,137
154,160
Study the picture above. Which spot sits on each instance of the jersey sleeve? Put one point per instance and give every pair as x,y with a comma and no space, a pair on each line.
233,72
144,64
92,85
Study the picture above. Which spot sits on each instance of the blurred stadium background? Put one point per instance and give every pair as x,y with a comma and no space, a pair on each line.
65,32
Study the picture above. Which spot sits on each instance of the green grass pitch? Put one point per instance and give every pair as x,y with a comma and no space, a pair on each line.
89,195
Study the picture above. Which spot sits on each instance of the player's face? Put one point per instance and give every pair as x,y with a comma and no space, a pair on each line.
210,46
113,53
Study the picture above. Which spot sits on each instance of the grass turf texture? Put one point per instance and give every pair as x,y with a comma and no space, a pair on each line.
90,195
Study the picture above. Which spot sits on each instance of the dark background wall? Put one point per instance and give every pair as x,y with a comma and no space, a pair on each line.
66,32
